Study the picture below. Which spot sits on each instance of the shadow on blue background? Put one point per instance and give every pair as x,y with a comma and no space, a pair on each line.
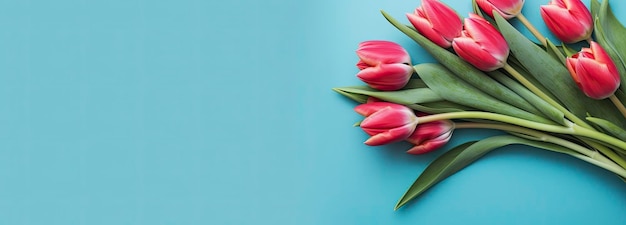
221,112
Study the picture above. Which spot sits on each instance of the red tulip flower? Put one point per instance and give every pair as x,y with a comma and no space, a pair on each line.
594,72
437,22
481,44
384,65
506,8
430,136
569,20
386,122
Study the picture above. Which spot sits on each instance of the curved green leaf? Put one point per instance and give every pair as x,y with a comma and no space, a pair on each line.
405,97
555,52
355,97
439,107
548,110
448,86
462,69
463,155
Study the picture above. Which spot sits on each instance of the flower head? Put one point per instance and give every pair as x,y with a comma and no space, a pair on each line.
384,65
437,22
386,122
430,136
594,72
481,44
506,8
568,20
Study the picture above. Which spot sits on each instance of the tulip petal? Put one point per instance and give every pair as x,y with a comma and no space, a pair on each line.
483,33
579,11
377,52
391,135
424,27
368,109
603,57
387,118
595,79
443,19
386,77
473,53
431,145
563,24
506,8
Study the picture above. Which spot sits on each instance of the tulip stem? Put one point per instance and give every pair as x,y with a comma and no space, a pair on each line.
618,104
532,29
519,77
541,136
572,129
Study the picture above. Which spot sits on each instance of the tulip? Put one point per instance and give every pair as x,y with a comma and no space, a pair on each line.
594,72
384,65
569,20
481,44
506,8
437,22
430,136
386,122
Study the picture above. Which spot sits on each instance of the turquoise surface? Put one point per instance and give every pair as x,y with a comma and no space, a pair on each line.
221,112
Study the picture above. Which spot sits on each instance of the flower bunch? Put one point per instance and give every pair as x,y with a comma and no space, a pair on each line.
491,76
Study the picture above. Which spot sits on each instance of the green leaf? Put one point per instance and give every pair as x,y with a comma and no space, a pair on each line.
555,52
439,107
415,83
447,85
405,97
613,129
567,50
462,69
553,75
548,110
517,65
463,155
355,97
610,34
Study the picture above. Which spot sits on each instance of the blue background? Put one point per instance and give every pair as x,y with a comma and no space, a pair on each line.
221,112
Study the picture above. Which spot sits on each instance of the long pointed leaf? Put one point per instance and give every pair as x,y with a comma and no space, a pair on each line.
548,110
355,97
463,155
405,97
446,85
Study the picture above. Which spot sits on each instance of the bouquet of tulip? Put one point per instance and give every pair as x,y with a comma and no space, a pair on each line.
490,76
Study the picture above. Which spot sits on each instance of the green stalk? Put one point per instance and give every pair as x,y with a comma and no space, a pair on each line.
532,29
618,104
542,137
519,77
572,129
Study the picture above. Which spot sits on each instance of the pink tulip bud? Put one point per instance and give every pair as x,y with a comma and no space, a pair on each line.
386,122
437,22
506,8
481,44
569,20
430,136
384,65
594,72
